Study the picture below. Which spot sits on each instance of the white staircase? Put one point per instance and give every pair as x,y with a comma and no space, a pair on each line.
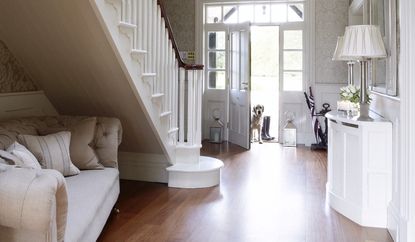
170,90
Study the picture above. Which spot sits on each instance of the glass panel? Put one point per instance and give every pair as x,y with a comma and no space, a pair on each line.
217,60
293,60
213,14
217,40
230,14
216,79
293,81
293,39
246,13
235,60
279,13
295,12
262,13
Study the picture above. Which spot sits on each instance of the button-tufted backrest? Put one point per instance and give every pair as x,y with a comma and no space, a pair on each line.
108,133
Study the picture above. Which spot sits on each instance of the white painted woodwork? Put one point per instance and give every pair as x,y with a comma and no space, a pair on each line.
74,62
175,94
240,78
402,209
112,58
204,174
25,104
359,182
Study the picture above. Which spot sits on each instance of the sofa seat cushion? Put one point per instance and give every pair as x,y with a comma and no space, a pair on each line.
87,192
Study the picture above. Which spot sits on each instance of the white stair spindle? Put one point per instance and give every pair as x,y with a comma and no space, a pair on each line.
139,17
123,6
200,93
190,103
149,36
154,34
128,10
182,76
145,30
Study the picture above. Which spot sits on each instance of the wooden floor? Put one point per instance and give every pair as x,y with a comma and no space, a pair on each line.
270,193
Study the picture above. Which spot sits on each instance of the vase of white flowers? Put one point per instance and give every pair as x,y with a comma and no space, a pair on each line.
350,98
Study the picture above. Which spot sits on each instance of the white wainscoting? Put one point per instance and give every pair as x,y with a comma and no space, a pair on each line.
143,167
24,104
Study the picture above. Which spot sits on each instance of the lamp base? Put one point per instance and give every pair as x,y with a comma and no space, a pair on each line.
364,112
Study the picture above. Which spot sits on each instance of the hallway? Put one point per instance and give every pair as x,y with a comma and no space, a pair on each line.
271,193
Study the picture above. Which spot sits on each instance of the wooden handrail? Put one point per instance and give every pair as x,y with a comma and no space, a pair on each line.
173,41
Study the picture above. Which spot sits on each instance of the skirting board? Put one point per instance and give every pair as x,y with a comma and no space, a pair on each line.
393,221
143,167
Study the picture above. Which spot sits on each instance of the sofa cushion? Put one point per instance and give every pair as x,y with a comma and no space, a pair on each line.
25,157
82,208
52,151
82,135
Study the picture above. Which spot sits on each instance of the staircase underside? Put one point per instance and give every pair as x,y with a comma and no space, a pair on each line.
63,47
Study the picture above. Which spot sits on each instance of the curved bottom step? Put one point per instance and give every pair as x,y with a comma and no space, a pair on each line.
206,173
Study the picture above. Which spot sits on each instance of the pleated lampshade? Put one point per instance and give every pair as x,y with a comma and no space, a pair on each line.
363,41
337,52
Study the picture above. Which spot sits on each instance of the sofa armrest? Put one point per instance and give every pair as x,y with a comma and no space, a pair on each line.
108,137
34,200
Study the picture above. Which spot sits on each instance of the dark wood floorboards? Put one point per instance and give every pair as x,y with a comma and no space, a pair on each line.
270,193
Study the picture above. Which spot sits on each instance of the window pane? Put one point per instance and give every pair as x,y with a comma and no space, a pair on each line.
217,40
217,60
293,39
293,60
279,13
246,13
262,13
293,81
230,14
214,14
216,79
295,12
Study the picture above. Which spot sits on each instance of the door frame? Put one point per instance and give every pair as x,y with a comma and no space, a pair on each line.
309,52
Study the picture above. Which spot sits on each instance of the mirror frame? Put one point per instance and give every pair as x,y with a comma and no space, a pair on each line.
364,9
391,44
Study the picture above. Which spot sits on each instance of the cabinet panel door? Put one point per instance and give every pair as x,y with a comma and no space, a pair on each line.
338,162
353,167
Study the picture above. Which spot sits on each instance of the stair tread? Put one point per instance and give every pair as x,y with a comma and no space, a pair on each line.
205,164
127,25
148,74
172,130
138,52
165,113
155,95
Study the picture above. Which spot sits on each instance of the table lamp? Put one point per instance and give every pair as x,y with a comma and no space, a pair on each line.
363,42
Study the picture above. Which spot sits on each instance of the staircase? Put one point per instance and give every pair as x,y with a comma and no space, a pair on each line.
169,89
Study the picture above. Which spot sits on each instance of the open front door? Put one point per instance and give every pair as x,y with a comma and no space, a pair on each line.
239,84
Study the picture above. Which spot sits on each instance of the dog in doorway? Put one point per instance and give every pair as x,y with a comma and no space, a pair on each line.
257,121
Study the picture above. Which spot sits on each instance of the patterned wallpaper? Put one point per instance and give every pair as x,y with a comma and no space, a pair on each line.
182,18
12,75
331,19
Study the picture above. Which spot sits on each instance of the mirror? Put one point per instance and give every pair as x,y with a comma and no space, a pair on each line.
383,72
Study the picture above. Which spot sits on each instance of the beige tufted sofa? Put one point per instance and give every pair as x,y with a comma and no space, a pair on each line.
42,205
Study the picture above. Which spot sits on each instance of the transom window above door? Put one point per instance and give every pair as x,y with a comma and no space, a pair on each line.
257,13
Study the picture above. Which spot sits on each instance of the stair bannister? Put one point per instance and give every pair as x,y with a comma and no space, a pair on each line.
189,91
175,90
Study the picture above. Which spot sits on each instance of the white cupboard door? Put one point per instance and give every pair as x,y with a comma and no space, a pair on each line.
239,84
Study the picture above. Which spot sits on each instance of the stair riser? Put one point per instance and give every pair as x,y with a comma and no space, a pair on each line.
194,179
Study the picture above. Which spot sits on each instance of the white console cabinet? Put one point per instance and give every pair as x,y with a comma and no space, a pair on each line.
359,168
